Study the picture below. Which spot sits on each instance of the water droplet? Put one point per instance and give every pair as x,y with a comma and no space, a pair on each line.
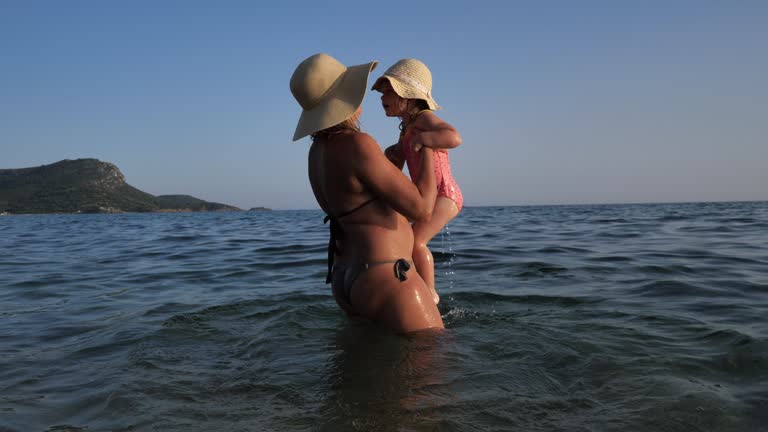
447,246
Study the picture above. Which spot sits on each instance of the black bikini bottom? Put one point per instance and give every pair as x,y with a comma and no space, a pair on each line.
344,276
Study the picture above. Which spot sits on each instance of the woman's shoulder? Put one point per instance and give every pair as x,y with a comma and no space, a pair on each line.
353,142
364,143
362,138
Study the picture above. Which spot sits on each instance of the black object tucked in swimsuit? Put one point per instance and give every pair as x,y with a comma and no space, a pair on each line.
347,274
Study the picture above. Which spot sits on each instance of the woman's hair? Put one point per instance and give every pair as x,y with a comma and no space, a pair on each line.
350,124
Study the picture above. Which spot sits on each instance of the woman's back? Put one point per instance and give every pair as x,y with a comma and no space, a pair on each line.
372,272
372,228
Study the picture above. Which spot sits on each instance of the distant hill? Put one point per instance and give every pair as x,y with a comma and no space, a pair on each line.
186,202
87,186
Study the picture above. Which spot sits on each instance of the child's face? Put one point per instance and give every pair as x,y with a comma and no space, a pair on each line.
394,105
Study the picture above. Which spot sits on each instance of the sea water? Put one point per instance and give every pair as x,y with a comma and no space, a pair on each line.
558,318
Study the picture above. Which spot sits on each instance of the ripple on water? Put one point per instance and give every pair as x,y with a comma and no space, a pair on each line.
563,250
610,258
558,318
676,289
669,269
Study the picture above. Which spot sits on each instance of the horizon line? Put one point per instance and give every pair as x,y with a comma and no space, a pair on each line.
574,204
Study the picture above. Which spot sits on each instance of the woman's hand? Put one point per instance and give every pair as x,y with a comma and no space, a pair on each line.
423,139
395,155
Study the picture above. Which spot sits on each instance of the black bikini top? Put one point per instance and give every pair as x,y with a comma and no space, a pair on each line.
338,233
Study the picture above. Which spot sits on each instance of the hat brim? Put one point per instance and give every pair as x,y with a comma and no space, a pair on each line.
405,91
339,104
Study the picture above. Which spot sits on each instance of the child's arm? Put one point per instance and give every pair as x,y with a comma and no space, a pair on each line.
395,155
431,131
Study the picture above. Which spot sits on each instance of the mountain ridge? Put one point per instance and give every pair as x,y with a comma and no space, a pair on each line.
86,185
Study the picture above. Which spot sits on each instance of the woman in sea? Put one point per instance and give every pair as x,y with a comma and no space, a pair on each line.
367,199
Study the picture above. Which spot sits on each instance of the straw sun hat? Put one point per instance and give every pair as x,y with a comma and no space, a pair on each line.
327,91
410,79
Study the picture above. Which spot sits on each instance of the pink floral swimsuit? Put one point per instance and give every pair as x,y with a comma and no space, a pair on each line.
446,185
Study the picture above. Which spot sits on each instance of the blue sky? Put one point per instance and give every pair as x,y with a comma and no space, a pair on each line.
557,102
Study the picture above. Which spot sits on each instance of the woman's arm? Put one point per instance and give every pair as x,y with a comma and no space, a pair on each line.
395,154
431,131
414,200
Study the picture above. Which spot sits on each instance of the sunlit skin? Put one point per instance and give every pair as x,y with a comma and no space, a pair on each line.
428,130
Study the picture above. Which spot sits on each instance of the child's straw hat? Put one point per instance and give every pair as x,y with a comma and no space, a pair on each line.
410,79
328,92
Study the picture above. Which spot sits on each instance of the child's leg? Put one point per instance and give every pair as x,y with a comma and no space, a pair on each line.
423,232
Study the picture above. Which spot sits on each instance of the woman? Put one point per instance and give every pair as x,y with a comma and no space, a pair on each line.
367,199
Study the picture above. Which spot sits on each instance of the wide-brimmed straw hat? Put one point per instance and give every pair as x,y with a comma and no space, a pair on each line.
411,79
328,92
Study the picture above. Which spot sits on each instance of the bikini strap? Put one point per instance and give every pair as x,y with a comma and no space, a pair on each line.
336,233
401,267
349,212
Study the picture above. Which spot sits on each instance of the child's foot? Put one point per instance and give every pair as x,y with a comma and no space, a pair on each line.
435,297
